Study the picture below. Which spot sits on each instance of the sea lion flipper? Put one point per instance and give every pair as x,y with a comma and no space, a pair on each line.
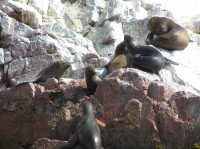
149,38
73,140
168,62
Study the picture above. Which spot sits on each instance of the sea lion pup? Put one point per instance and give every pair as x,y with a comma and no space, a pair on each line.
54,70
88,133
122,58
145,57
170,35
92,80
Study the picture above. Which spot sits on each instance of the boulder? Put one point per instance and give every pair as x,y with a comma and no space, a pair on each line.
40,6
49,144
25,14
32,111
140,112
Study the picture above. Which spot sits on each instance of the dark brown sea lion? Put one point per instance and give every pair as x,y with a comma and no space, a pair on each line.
170,35
88,133
145,57
92,80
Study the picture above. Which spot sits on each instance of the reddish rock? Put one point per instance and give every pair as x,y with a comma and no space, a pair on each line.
45,143
89,56
160,91
29,112
124,105
49,84
121,86
178,121
16,15
127,111
91,59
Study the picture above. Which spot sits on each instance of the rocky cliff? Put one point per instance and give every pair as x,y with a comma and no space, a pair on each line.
139,109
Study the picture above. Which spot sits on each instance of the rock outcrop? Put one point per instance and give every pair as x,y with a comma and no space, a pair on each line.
141,112
135,108
33,111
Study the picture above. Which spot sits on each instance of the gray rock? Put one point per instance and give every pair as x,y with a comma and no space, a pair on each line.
55,8
1,56
26,14
196,24
40,6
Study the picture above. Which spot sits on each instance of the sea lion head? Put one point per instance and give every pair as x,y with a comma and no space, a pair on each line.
158,25
121,48
90,71
87,108
64,64
128,39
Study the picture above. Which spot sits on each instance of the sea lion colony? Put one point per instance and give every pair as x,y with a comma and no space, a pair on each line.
127,54
170,36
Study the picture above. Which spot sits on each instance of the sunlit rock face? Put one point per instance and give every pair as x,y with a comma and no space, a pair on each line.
36,33
185,13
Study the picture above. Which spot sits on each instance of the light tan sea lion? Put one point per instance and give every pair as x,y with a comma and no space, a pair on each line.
170,35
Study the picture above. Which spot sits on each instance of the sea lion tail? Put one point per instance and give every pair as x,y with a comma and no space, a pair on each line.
168,62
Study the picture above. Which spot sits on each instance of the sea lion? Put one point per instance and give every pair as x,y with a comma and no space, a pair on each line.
54,70
92,80
122,58
88,133
145,57
170,35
